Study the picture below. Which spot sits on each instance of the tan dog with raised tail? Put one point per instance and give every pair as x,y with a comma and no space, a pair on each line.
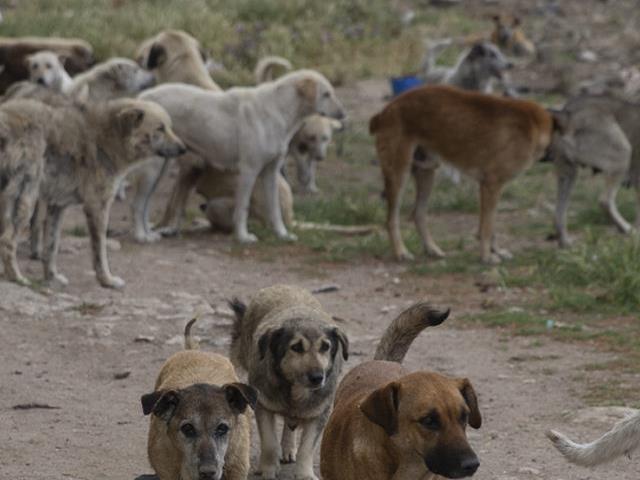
389,424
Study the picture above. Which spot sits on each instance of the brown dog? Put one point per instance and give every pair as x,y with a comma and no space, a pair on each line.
511,38
389,424
490,138
200,428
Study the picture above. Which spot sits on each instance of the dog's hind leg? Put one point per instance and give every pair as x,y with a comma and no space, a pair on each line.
35,235
244,189
567,174
51,243
489,196
269,446
424,184
608,200
269,178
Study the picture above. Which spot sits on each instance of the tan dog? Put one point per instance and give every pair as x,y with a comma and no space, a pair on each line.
491,139
13,52
200,428
174,56
511,38
293,353
389,424
219,186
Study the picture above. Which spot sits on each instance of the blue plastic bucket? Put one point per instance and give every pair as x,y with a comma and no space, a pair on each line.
402,84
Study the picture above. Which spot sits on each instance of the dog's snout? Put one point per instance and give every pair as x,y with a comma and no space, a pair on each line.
509,66
41,81
341,115
469,465
208,472
315,378
181,149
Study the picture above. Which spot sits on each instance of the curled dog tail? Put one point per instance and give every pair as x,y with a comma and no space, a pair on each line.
189,342
622,439
399,335
265,67
239,308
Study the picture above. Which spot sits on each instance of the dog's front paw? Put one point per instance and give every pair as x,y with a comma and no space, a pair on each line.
267,472
435,251
21,280
305,476
247,238
112,282
288,237
404,256
503,253
58,278
167,231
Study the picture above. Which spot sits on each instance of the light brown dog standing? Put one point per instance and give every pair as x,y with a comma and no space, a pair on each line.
388,424
200,427
490,138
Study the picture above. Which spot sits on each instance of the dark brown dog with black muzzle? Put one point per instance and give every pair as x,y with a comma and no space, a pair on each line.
293,353
389,424
200,427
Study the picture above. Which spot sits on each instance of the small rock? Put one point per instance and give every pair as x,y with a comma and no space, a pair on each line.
388,308
588,56
121,375
144,339
529,471
395,280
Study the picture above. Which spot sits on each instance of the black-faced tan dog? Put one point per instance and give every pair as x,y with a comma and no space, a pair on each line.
293,353
200,427
389,424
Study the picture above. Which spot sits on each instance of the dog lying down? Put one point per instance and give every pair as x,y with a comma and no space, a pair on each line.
622,439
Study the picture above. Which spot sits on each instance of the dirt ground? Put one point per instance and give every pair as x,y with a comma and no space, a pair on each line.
66,348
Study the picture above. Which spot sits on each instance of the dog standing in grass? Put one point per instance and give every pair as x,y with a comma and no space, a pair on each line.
293,353
492,139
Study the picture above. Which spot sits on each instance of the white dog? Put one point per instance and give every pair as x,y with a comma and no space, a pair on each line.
47,69
622,439
246,130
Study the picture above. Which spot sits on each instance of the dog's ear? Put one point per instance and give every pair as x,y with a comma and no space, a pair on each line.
560,121
63,59
130,118
381,407
469,395
239,395
516,22
277,341
307,89
160,403
477,50
157,56
338,337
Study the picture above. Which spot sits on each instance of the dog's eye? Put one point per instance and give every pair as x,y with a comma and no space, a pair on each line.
324,347
48,66
312,138
297,347
431,421
326,95
188,430
162,128
34,66
222,430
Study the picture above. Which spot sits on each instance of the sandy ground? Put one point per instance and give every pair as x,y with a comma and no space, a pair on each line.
65,348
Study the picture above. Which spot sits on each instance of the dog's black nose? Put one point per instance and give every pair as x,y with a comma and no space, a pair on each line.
182,149
207,474
41,81
469,465
315,378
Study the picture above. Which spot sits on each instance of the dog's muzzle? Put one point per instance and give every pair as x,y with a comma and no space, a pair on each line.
316,379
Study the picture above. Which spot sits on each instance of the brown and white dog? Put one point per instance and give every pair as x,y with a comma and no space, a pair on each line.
200,426
492,139
389,424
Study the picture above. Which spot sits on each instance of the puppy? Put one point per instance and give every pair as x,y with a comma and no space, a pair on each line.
622,439
200,426
309,146
244,130
490,138
511,38
388,423
88,151
218,188
293,353
47,69
13,52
